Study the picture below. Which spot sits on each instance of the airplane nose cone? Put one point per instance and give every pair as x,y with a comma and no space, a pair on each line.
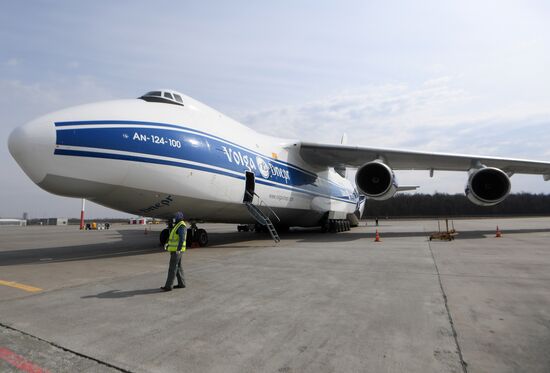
32,145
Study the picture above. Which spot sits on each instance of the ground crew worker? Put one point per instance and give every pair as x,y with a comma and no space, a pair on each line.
176,246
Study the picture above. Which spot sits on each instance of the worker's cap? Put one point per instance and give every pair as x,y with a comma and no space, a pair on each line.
178,215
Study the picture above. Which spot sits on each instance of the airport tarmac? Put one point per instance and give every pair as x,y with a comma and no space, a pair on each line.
89,301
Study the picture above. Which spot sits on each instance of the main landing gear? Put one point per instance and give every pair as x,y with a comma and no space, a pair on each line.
195,237
335,225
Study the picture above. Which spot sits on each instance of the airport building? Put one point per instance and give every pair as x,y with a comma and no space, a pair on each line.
51,221
140,221
13,222
57,221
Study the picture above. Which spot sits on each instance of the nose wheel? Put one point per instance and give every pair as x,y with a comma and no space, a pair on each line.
196,237
163,237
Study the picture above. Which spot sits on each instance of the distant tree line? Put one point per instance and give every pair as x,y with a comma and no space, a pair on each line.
451,205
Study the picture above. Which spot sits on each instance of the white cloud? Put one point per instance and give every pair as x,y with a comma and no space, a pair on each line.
388,114
434,115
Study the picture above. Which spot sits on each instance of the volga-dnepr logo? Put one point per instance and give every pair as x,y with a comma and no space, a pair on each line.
262,167
266,168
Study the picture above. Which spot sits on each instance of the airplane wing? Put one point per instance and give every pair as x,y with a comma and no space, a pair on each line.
355,156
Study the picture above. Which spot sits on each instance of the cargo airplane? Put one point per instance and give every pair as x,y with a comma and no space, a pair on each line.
164,152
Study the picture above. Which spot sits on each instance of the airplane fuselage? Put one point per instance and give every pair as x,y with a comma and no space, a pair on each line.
152,159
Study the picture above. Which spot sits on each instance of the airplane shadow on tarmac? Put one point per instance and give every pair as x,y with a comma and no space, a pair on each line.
130,242
134,243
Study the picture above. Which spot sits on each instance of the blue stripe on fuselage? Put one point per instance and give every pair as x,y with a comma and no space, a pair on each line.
191,147
178,127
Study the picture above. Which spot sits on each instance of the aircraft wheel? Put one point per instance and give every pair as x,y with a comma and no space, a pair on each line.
202,238
163,237
191,236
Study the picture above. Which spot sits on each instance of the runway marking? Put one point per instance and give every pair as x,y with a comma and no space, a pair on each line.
20,362
30,289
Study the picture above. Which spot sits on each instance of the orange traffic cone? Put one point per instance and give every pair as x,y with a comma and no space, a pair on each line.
499,233
377,237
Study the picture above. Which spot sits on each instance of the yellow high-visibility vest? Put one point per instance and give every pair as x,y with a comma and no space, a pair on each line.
174,238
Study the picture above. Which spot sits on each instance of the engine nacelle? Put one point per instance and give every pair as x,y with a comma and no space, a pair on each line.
487,186
376,180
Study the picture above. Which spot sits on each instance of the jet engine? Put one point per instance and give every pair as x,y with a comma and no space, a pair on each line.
487,186
376,180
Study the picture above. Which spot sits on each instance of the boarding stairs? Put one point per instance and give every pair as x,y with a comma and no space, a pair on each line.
262,218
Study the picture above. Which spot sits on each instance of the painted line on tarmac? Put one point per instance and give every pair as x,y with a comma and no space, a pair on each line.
13,284
64,349
20,362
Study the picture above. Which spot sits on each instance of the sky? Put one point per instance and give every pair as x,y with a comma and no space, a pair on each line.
449,76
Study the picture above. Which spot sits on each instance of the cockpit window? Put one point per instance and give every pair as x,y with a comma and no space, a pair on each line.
168,97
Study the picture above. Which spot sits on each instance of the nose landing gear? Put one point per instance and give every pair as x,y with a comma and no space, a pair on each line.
196,237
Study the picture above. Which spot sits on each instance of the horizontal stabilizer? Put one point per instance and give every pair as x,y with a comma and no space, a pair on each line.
405,188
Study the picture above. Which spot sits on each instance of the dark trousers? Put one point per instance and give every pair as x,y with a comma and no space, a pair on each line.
175,269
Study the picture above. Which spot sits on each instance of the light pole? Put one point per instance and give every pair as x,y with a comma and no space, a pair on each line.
82,214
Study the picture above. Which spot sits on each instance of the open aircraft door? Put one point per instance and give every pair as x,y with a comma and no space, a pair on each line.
250,184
